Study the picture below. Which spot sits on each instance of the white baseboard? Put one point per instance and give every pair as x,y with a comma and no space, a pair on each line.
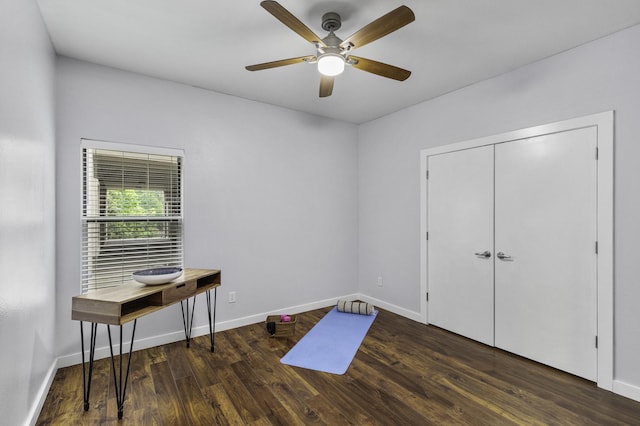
626,390
412,315
41,395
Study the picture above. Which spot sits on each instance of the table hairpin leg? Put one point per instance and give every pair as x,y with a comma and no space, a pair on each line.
120,386
186,320
86,381
212,325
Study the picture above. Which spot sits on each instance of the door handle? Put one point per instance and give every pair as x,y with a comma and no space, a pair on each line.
485,253
503,256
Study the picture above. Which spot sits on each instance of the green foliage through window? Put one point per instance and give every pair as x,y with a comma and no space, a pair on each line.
135,203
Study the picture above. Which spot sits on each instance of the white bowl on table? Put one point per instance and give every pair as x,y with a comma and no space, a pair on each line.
157,276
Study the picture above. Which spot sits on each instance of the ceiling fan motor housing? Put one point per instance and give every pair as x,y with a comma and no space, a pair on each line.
331,21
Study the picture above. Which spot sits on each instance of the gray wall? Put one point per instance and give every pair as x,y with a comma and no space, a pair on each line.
270,194
600,76
27,224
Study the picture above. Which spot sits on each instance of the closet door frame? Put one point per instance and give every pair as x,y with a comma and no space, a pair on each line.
603,122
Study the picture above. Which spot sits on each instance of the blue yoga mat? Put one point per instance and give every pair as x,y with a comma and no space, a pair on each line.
332,343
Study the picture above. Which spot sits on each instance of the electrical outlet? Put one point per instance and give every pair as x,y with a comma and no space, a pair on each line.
380,281
232,297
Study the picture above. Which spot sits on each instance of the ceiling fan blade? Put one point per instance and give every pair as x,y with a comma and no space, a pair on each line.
382,26
379,68
280,63
284,16
326,86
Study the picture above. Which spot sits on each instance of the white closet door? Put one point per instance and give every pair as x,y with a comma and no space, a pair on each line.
545,218
460,224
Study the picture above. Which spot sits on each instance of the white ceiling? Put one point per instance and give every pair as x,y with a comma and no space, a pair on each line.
207,43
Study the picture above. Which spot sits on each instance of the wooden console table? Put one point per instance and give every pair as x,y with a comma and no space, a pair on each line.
128,302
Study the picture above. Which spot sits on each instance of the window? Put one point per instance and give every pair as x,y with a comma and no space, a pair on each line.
131,211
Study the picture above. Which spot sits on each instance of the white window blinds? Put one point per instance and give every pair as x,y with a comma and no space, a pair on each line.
131,213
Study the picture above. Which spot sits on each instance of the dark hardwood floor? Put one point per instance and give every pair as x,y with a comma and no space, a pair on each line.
405,373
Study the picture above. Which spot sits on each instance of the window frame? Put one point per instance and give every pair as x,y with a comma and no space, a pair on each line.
171,220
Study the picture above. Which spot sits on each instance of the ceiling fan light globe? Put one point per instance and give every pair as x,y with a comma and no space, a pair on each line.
330,64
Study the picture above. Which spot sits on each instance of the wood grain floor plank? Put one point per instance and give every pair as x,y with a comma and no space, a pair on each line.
204,364
224,411
241,397
279,377
177,360
141,383
197,409
224,346
430,405
347,395
242,343
169,403
325,407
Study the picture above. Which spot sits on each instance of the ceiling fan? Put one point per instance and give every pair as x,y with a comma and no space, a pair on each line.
332,53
